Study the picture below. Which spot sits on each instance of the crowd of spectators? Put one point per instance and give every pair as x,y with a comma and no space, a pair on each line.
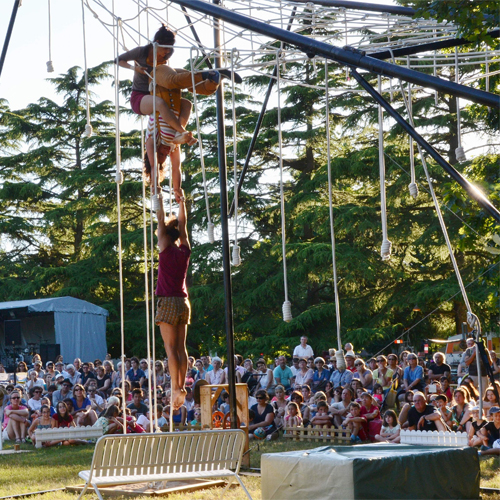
368,399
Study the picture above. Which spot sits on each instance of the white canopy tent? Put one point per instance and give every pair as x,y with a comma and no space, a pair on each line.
77,325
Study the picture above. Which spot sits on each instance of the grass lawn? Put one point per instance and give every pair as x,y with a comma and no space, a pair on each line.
58,467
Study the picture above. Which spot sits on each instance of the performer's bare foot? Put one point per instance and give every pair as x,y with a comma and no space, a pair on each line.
184,138
178,397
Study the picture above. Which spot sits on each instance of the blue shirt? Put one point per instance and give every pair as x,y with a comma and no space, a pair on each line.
411,375
135,377
341,378
284,376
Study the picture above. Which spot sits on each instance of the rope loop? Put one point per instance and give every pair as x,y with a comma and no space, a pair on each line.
236,255
287,311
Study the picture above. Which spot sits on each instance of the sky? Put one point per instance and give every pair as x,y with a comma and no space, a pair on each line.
24,76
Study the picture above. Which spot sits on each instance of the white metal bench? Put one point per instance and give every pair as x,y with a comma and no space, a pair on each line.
140,458
66,433
434,438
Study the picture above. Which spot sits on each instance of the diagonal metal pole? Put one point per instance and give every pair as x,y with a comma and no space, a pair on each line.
17,4
352,58
259,123
196,37
455,174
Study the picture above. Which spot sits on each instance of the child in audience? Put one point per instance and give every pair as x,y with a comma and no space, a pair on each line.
378,393
293,417
322,416
390,430
440,401
475,436
357,425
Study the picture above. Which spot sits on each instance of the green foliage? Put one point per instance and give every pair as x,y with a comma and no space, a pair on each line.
473,17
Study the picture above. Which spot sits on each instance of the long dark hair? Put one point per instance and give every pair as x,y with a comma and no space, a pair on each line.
148,168
172,228
67,415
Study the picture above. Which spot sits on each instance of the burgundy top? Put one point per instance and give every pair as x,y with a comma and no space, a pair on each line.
61,422
172,271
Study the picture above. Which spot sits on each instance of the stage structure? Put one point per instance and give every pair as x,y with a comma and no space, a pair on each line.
260,37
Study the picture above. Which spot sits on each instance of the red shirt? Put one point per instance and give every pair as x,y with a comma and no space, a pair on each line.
172,270
61,422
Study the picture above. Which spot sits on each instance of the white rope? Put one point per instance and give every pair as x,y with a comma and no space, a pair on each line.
287,306
155,201
119,180
459,152
385,250
470,316
88,127
210,228
50,66
412,187
330,206
236,249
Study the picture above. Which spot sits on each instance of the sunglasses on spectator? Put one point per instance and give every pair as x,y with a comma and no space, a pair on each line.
260,397
9,389
15,397
66,385
358,364
37,392
78,389
380,360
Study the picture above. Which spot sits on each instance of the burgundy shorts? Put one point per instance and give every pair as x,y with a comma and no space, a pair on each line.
135,101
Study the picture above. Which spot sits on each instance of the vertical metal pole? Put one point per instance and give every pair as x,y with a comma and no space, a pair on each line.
17,4
226,256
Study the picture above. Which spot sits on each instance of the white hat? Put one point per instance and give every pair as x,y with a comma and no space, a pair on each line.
350,353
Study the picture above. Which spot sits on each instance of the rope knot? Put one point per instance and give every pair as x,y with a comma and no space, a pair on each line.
287,311
210,230
236,255
413,188
385,250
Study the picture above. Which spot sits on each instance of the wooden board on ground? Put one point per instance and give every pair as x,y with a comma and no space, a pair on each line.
133,490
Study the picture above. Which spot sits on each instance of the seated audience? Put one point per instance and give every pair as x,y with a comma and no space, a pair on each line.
389,433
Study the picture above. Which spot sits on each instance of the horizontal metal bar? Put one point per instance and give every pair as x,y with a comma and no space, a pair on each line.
427,47
373,7
351,58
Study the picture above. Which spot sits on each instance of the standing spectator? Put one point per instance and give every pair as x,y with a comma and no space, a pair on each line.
282,374
413,377
217,375
364,375
303,350
15,419
471,363
135,374
439,368
63,393
424,417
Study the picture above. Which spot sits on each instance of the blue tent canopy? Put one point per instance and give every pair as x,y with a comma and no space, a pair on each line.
79,326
